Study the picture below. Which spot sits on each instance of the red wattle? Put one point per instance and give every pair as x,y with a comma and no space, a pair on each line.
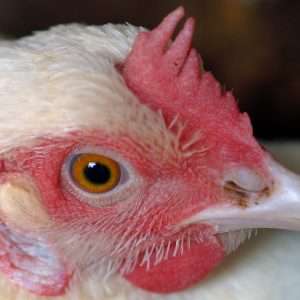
181,272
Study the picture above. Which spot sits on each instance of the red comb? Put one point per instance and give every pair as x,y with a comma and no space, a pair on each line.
167,75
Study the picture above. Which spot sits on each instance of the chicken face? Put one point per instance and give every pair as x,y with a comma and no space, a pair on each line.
125,154
139,216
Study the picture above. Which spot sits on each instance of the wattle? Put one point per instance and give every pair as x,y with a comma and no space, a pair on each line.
180,272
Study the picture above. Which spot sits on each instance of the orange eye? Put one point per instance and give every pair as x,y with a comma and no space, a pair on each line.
95,173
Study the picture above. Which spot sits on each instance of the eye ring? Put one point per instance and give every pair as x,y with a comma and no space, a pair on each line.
127,185
95,173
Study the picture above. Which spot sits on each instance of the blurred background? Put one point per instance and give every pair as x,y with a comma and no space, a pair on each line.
251,46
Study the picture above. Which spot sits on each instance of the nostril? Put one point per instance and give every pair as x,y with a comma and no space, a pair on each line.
244,180
245,187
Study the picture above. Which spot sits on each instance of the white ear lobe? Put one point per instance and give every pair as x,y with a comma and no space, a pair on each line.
20,205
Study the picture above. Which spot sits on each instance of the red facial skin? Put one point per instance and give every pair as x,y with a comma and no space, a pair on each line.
46,174
170,193
181,272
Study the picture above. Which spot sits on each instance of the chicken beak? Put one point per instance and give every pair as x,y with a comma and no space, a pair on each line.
278,209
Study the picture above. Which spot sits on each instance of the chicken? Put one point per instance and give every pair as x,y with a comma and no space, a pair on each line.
128,173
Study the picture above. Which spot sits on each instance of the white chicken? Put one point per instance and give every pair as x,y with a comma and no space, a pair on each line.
126,173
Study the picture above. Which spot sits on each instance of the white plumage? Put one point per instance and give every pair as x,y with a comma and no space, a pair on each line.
62,78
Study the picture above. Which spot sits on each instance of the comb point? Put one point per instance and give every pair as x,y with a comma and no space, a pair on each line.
164,31
178,52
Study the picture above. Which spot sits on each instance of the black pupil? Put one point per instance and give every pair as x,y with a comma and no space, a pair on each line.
97,173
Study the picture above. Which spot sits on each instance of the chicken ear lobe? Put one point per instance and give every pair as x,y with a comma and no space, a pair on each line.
26,258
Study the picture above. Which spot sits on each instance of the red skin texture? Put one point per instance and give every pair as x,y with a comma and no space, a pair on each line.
193,184
195,190
191,267
179,273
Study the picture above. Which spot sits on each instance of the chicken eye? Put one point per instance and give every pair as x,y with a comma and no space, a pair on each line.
95,173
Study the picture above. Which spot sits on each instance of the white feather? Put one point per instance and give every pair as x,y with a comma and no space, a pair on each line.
65,79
